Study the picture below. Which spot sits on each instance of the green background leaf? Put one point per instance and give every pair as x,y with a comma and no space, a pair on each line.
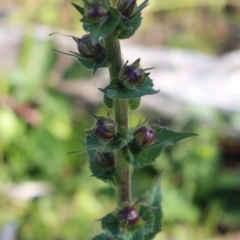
154,199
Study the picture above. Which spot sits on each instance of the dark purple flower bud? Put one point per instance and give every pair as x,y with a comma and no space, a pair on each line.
132,75
144,136
105,159
128,215
95,11
127,7
87,49
104,128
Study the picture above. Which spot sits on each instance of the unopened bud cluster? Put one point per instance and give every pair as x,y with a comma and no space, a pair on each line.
132,75
104,128
127,7
95,11
105,159
88,49
144,136
128,216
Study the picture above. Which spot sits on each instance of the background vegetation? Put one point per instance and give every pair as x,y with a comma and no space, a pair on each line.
39,124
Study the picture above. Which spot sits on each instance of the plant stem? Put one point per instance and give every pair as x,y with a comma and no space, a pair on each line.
120,109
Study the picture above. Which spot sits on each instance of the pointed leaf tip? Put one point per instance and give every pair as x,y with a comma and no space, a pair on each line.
78,8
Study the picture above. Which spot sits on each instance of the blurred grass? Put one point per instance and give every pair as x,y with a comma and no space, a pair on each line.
39,125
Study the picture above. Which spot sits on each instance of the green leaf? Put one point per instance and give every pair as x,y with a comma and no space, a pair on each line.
74,71
103,30
116,143
108,102
89,63
102,237
144,156
134,103
111,224
105,174
106,237
132,235
100,63
148,218
153,196
116,90
137,236
85,62
154,199
144,226
120,140
129,27
169,136
79,9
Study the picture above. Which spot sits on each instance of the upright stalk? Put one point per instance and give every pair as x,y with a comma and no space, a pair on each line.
106,21
120,109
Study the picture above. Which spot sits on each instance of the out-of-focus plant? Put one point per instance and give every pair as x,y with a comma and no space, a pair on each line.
35,134
114,149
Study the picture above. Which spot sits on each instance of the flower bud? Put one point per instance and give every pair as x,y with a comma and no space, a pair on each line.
95,12
144,136
87,49
128,215
104,128
132,75
127,7
105,159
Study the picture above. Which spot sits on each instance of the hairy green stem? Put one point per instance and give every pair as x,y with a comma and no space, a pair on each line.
120,108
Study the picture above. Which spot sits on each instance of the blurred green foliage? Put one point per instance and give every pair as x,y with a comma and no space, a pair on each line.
39,125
